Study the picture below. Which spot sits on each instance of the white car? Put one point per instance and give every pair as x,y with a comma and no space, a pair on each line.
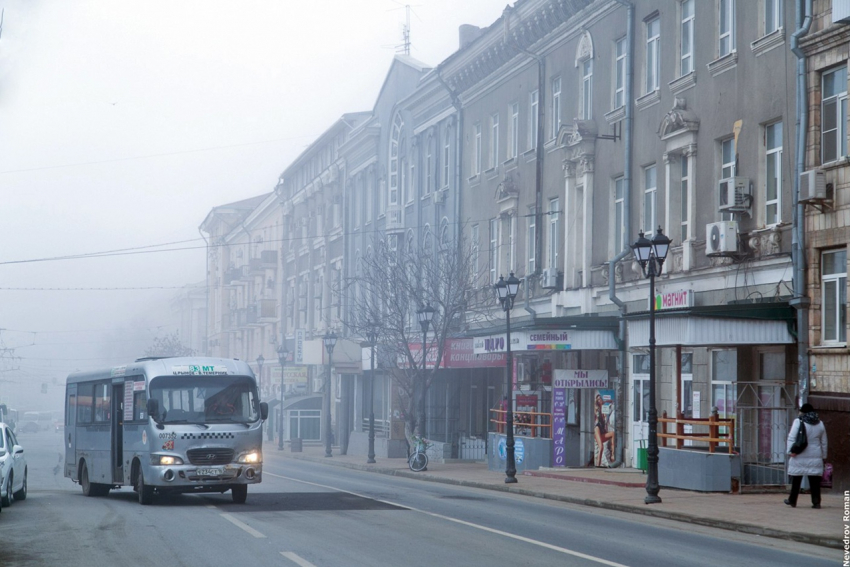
13,467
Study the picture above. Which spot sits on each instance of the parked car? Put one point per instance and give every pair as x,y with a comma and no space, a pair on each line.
29,427
13,467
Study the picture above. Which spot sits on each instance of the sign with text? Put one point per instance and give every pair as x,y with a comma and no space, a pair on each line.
581,378
559,427
299,346
458,353
679,299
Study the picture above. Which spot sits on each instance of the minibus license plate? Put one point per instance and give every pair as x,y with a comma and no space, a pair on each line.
210,472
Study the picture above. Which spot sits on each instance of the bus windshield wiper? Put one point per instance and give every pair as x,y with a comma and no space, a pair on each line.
182,421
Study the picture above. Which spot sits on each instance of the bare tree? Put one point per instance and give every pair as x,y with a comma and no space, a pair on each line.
169,345
388,289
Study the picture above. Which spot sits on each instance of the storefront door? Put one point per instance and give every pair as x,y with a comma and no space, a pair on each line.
639,409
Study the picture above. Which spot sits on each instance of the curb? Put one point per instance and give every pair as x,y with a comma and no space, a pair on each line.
584,479
834,543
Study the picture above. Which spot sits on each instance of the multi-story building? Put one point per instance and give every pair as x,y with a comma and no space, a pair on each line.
822,166
548,142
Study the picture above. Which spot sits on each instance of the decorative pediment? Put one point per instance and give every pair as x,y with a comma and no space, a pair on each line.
580,131
507,189
584,51
679,119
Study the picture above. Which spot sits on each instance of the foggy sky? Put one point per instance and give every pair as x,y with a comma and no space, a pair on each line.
123,123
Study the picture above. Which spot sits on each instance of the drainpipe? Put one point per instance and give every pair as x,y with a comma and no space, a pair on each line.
627,182
801,301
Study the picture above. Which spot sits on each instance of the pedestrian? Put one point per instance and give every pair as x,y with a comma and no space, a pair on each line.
810,461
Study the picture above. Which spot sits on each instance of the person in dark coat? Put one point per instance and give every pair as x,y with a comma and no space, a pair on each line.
810,462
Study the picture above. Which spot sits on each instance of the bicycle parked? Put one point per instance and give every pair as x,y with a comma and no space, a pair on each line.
418,460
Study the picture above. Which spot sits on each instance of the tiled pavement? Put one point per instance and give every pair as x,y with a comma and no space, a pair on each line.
624,490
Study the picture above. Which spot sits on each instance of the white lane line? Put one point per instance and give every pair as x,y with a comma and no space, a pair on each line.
295,558
242,525
538,543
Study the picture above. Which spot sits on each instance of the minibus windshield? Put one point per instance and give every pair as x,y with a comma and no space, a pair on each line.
205,399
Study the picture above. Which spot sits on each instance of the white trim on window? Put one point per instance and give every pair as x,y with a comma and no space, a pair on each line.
652,69
834,297
773,174
834,114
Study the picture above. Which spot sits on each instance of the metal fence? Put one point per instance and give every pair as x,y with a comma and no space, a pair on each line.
765,412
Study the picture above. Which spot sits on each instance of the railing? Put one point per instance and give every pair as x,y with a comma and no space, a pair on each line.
526,423
714,436
382,428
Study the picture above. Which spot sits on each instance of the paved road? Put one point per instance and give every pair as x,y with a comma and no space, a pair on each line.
307,514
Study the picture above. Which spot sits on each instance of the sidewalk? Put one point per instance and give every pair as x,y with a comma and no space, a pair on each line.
624,490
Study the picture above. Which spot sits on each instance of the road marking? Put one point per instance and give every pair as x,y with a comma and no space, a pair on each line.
538,543
296,559
243,525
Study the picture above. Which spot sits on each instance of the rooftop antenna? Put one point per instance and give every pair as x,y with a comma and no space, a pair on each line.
404,48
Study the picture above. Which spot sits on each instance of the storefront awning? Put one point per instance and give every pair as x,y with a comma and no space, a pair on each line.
708,331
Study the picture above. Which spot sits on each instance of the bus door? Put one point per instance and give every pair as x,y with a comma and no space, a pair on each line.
117,431
70,440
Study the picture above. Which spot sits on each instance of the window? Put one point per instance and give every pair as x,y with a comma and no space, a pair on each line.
395,135
554,232
513,142
512,244
619,213
429,167
687,401
531,241
494,141
102,403
494,250
534,101
727,155
684,184
772,16
726,27
85,399
724,377
587,89
773,173
653,46
476,246
834,293
446,155
687,40
834,115
649,197
410,185
476,154
620,73
556,105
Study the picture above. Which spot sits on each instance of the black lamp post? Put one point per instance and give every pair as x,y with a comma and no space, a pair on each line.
330,342
260,361
425,315
651,256
507,291
373,340
281,359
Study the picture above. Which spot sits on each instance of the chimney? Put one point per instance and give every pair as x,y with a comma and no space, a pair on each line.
468,33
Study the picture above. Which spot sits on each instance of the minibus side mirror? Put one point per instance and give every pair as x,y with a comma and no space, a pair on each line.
153,409
264,411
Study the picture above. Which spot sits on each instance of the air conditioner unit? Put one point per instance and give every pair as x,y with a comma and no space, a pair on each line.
735,195
549,278
721,238
812,186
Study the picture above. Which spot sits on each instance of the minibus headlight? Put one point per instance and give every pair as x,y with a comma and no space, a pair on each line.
253,457
166,460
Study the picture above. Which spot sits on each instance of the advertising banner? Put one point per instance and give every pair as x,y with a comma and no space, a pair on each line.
604,421
581,378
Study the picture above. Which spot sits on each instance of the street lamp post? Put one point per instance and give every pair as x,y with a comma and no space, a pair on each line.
507,291
651,256
330,342
281,359
260,361
425,316
373,340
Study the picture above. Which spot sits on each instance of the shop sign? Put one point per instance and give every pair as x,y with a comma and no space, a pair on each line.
581,378
299,346
295,375
458,353
559,427
674,299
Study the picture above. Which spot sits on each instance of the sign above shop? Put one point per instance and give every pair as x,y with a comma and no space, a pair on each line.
679,299
581,378
547,340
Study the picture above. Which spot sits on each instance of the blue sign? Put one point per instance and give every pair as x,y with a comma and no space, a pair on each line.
519,450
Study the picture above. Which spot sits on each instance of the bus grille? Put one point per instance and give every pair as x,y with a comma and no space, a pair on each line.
210,456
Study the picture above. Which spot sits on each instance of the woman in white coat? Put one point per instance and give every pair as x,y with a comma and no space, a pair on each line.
810,462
